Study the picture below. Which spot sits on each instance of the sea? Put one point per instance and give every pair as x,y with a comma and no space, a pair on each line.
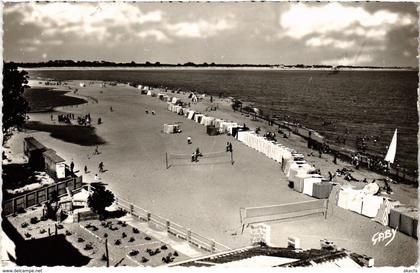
346,105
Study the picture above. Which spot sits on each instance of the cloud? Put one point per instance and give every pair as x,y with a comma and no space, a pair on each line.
301,20
153,33
319,41
358,60
86,20
200,29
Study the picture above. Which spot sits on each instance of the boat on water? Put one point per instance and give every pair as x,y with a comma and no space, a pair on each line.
392,149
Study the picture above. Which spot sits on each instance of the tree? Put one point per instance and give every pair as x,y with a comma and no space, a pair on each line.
100,199
14,104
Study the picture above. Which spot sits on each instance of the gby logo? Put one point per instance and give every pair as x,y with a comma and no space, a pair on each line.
382,236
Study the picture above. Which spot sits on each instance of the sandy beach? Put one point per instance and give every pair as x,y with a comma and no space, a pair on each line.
206,196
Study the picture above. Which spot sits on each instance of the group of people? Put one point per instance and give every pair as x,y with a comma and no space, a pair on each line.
152,112
195,155
66,118
84,120
270,136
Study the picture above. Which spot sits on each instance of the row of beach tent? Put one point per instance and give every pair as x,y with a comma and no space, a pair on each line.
304,177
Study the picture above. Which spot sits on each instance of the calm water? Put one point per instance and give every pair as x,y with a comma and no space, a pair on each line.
366,103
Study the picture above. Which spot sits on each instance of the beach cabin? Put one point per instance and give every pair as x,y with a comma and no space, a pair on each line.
33,149
171,128
55,166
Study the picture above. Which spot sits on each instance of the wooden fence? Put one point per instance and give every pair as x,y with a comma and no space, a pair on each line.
41,195
172,228
284,211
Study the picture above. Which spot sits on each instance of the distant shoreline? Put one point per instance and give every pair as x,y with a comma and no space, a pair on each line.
69,68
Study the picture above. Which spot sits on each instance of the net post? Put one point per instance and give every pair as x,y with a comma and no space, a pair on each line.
231,157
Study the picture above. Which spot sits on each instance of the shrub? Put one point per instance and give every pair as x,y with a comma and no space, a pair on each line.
100,199
42,231
60,226
24,225
124,224
34,220
104,224
117,242
68,233
80,240
105,235
28,235
88,246
133,252
119,222
147,238
175,253
103,257
123,235
89,225
144,260
164,247
131,239
94,228
135,230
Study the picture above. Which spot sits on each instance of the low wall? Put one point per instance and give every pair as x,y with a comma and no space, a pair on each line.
40,196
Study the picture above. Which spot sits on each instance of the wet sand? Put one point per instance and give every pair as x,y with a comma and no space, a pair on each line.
203,197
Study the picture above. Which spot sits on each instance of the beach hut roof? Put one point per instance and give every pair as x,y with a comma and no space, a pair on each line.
34,144
52,155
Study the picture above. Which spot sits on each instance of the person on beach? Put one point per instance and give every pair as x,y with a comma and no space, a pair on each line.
194,157
153,112
101,167
335,159
110,108
147,111
189,141
99,121
72,166
197,152
86,169
230,147
96,152
227,146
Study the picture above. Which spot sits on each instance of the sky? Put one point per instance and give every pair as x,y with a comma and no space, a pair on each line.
331,33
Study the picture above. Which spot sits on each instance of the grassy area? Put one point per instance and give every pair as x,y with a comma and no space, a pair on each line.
81,135
43,99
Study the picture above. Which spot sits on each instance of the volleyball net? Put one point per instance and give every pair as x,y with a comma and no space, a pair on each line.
204,158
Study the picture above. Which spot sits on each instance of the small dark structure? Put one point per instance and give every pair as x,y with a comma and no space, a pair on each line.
33,149
54,165
212,131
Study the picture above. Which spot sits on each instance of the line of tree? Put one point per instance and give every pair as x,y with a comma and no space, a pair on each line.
72,63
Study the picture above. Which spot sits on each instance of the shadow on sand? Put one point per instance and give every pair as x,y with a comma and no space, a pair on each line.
81,135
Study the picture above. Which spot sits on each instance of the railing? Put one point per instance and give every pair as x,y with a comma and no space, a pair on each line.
284,211
41,195
172,228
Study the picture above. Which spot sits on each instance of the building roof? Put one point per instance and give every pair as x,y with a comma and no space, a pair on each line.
52,155
34,144
267,256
